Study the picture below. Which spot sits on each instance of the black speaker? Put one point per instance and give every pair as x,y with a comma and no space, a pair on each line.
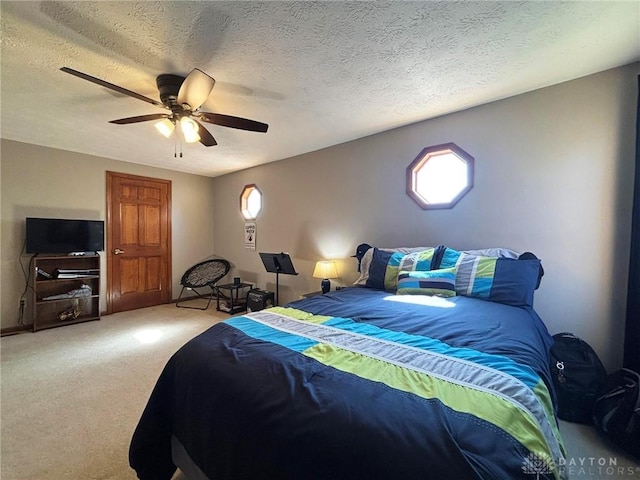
259,300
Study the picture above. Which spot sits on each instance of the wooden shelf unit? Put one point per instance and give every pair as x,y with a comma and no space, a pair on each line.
46,311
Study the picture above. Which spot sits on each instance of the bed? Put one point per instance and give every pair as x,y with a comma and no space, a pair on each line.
431,378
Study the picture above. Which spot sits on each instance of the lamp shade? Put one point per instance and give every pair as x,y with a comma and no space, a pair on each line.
165,127
325,269
189,130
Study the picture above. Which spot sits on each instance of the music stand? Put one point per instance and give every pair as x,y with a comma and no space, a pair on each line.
278,263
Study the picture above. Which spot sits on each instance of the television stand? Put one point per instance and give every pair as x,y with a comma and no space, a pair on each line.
66,289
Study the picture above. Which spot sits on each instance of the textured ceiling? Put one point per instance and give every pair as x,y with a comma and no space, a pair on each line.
319,73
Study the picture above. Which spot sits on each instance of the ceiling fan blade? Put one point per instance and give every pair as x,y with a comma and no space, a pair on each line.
233,122
111,86
195,89
141,118
205,137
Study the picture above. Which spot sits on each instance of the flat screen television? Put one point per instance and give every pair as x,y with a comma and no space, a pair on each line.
63,236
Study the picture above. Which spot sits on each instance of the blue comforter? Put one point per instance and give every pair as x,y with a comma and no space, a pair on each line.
359,383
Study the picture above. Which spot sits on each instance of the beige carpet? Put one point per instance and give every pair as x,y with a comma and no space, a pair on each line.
71,397
591,457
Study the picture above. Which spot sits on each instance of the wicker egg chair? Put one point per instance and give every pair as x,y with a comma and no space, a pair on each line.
203,275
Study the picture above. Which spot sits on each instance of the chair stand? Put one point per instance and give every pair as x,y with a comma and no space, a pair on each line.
195,297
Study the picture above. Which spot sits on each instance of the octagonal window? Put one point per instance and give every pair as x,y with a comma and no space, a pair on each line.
440,176
250,202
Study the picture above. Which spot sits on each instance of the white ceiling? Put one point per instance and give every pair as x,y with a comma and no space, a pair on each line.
319,73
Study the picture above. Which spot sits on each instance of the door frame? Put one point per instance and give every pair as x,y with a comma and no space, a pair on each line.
110,240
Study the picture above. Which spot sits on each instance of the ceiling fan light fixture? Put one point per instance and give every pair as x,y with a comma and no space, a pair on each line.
195,89
183,97
189,129
165,127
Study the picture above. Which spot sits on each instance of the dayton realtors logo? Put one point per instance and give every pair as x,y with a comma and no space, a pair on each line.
535,464
579,467
597,467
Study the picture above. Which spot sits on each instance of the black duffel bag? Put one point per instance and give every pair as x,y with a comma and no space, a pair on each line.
616,412
578,375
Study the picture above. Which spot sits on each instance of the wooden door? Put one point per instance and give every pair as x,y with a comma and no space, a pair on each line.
138,242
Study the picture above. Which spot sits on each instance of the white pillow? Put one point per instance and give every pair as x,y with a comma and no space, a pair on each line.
493,252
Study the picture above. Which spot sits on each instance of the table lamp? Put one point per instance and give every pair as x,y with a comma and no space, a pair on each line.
325,269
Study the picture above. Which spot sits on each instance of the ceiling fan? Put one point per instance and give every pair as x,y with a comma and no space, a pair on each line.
183,97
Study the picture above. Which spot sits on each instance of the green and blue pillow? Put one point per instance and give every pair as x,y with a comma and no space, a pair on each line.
418,261
384,268
503,280
386,265
511,281
432,282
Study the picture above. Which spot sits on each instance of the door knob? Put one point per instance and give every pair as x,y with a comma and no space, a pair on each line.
117,251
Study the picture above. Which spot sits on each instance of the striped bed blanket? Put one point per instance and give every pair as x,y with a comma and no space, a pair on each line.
303,393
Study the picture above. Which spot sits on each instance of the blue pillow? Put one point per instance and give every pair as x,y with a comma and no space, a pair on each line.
377,268
515,281
420,260
503,280
433,282
383,271
448,258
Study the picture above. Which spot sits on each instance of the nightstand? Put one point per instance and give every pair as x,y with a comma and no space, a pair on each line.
236,300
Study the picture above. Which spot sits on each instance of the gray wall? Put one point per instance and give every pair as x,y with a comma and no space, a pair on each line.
553,175
38,181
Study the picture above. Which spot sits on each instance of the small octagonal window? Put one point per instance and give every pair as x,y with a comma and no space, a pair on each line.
250,202
440,176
